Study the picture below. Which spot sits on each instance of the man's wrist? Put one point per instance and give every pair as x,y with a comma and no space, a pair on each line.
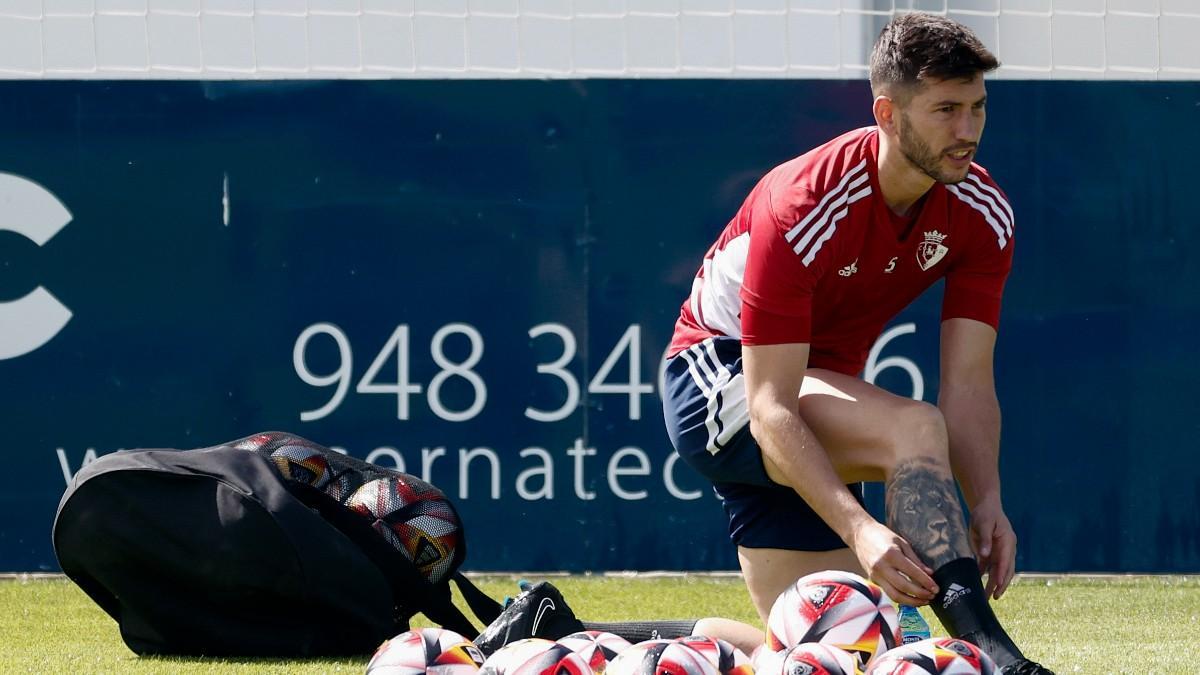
990,498
855,525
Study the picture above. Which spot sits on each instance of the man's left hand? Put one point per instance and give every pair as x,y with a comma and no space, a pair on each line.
995,545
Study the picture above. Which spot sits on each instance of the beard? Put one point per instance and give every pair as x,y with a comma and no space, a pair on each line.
917,151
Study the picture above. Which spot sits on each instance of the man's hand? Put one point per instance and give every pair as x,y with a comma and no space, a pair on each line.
892,563
995,545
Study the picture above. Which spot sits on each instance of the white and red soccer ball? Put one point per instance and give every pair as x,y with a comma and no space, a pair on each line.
838,609
935,656
766,660
415,518
535,656
302,464
597,647
806,658
661,657
814,658
429,651
728,659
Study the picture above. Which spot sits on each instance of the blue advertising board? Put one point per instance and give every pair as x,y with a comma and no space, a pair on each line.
475,282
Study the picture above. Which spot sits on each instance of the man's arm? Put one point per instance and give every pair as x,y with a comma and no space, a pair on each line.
794,456
967,399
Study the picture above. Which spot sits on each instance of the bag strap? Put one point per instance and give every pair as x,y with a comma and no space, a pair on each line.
485,608
441,610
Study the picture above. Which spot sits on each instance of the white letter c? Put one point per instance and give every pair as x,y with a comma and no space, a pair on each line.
35,213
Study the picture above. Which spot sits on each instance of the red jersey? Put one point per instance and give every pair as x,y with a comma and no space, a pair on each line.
815,255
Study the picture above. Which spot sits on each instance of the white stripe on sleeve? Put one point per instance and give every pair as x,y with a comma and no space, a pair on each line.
987,214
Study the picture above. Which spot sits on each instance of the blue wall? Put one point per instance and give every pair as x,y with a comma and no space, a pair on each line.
214,224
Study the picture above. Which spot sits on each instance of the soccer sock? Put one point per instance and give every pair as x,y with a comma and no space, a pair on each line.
963,609
640,631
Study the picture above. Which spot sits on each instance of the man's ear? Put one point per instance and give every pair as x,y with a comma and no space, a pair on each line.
885,111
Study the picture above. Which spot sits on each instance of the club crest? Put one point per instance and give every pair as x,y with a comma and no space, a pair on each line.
932,250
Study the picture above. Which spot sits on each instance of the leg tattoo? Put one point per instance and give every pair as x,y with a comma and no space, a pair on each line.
922,507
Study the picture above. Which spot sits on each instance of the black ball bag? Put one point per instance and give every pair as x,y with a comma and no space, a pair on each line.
222,551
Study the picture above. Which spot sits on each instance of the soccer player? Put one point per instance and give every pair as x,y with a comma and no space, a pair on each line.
762,396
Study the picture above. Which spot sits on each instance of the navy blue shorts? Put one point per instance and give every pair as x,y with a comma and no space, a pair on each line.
708,420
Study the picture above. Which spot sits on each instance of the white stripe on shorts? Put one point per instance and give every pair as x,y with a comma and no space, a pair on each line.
724,391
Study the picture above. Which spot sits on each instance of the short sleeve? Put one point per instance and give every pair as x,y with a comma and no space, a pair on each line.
777,288
975,283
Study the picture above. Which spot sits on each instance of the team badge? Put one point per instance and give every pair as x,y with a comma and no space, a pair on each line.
932,250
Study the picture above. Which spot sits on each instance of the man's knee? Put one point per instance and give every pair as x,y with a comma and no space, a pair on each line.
919,430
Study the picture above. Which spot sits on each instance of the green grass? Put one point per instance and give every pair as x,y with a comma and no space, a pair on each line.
1075,625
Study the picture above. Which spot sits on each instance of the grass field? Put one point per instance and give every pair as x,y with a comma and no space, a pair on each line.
1142,626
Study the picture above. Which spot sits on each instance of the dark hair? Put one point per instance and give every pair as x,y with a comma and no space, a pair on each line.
916,47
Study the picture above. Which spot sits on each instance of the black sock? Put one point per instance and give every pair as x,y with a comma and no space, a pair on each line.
964,611
640,631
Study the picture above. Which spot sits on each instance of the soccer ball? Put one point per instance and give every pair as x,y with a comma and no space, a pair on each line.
767,661
535,656
935,656
432,651
596,647
814,658
661,657
839,609
728,659
301,464
806,658
258,441
415,518
301,461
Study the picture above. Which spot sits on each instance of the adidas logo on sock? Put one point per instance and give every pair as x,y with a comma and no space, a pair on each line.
953,594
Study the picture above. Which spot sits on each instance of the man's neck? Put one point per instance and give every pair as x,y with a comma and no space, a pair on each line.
902,184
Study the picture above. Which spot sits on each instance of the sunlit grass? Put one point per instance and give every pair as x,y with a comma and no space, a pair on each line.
1137,625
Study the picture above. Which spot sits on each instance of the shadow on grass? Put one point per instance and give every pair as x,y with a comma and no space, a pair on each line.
353,661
